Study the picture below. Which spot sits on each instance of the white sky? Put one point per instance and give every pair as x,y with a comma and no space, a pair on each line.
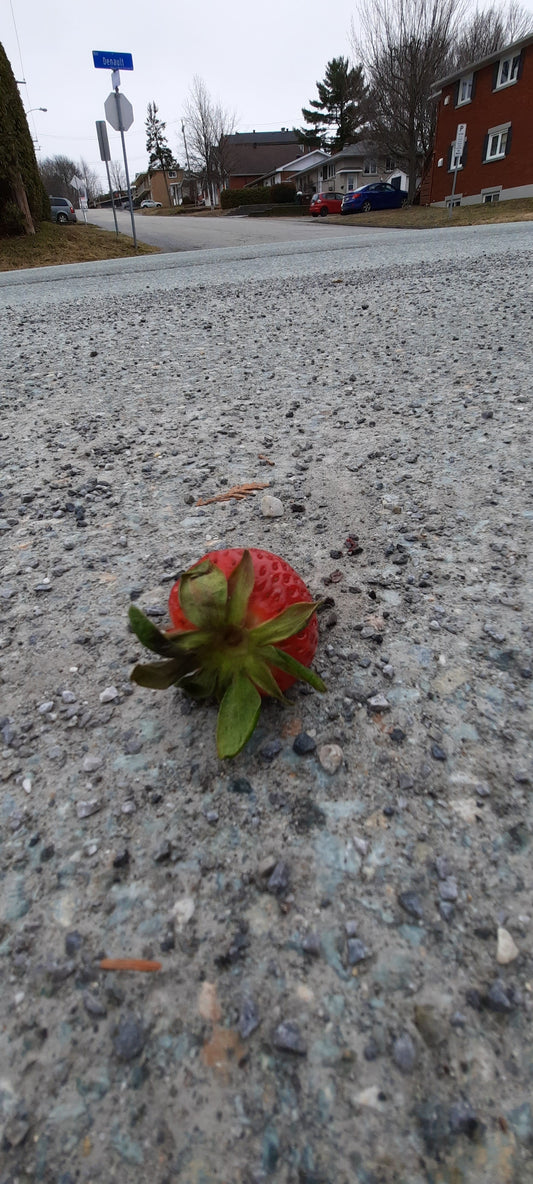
260,58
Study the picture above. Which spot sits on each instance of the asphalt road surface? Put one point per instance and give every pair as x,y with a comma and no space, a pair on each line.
193,233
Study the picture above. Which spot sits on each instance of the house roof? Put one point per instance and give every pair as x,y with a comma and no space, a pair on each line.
311,160
506,51
282,137
361,148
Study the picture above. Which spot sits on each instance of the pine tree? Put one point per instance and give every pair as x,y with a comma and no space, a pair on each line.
338,115
157,147
23,201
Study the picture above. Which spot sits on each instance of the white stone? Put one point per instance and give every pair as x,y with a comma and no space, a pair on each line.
183,910
26,785
330,757
378,703
271,507
91,763
108,695
507,950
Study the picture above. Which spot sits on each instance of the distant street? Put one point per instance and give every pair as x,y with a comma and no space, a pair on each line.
191,233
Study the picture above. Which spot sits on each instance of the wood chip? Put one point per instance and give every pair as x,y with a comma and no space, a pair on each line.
265,459
238,492
129,964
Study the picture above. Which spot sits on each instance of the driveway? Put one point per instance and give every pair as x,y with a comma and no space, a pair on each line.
193,233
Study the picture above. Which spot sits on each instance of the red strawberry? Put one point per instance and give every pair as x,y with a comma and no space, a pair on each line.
244,627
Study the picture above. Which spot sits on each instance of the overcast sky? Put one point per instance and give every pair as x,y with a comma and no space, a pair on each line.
261,60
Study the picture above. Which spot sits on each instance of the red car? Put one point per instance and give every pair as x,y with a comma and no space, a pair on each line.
325,203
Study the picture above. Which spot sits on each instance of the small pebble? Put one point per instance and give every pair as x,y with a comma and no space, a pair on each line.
128,1038
271,507
357,951
91,763
438,753
278,882
330,757
507,950
249,1017
304,744
404,1053
85,809
410,901
448,889
378,703
108,695
288,1037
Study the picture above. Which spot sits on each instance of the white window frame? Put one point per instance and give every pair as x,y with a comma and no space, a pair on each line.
350,182
465,84
499,134
370,168
513,63
450,202
490,197
331,171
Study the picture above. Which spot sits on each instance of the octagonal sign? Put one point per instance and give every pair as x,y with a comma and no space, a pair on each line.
118,114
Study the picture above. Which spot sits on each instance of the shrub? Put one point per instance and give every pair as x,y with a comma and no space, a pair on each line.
283,193
187,201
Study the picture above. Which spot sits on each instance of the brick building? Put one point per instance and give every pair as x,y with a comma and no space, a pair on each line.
494,98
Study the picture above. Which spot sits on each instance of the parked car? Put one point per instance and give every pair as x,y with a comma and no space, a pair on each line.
62,210
378,196
151,205
325,203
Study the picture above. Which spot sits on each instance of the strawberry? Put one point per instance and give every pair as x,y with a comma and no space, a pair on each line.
244,626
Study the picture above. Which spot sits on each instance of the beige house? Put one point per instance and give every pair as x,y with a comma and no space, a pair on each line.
360,164
152,186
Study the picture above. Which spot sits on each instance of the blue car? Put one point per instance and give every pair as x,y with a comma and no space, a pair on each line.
378,196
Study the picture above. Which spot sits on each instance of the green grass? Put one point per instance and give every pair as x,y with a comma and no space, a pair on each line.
74,243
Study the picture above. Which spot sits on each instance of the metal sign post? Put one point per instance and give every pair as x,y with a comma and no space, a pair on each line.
105,155
118,110
459,147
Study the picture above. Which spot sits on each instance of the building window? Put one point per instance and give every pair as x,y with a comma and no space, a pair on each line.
496,144
331,170
488,198
452,202
172,173
349,183
370,167
465,89
508,71
390,164
456,162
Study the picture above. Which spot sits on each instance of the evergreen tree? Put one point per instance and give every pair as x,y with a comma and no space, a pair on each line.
338,115
157,147
23,201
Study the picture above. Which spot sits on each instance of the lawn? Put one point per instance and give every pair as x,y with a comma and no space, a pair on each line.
54,244
428,217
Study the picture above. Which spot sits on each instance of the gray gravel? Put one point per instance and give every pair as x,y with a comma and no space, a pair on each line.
343,914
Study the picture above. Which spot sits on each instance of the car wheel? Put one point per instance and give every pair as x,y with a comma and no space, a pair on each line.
62,218
366,207
313,215
323,211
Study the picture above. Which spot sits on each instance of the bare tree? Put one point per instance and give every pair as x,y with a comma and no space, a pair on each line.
57,173
91,178
487,30
207,128
117,174
405,45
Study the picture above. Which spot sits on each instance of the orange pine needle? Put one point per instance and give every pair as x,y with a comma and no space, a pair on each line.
237,491
129,964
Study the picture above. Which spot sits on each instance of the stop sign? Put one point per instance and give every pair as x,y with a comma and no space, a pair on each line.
118,111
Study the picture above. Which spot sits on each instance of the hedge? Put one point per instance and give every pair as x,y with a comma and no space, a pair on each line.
259,195
18,164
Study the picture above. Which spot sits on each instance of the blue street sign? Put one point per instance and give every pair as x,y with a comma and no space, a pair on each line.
112,61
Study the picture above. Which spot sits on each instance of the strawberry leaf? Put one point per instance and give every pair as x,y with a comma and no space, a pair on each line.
157,675
203,594
282,661
238,715
240,587
292,620
260,674
148,633
190,639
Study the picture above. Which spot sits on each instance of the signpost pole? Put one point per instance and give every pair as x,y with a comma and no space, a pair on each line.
458,150
112,196
121,130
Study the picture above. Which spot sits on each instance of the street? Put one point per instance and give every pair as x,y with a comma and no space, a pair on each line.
182,232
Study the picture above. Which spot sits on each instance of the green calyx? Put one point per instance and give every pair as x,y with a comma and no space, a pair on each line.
220,657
